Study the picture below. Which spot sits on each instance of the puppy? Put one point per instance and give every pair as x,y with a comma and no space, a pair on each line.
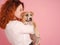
27,18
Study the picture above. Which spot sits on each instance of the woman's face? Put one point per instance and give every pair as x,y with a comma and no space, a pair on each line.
18,11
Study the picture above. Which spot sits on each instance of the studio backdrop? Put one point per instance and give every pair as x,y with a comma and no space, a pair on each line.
46,17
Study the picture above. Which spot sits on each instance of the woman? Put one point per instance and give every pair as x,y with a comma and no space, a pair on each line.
10,22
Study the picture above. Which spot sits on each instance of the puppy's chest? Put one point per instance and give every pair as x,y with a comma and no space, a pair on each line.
28,26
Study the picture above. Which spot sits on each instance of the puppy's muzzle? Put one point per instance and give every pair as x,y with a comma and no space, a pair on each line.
30,19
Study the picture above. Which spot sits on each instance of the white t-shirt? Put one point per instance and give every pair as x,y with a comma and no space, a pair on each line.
18,33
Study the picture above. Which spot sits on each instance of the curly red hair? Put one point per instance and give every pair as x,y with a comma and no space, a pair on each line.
7,11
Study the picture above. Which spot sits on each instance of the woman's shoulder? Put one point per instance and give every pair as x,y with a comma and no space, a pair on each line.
13,26
14,23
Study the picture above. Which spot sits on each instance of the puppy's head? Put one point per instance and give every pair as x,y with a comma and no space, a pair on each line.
27,16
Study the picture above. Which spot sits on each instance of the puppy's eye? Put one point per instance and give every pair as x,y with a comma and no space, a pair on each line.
30,14
26,14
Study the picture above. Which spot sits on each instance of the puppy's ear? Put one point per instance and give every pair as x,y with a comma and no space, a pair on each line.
22,14
31,12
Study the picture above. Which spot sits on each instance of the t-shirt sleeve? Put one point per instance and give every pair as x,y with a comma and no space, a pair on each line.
14,27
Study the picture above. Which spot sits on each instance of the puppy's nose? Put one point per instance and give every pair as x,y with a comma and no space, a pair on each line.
30,19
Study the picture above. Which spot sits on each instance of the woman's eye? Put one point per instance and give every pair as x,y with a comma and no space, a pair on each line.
20,9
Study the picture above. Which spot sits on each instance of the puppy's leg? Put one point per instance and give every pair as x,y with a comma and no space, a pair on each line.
37,34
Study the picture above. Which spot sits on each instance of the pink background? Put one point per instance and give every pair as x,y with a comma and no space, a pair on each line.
47,18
